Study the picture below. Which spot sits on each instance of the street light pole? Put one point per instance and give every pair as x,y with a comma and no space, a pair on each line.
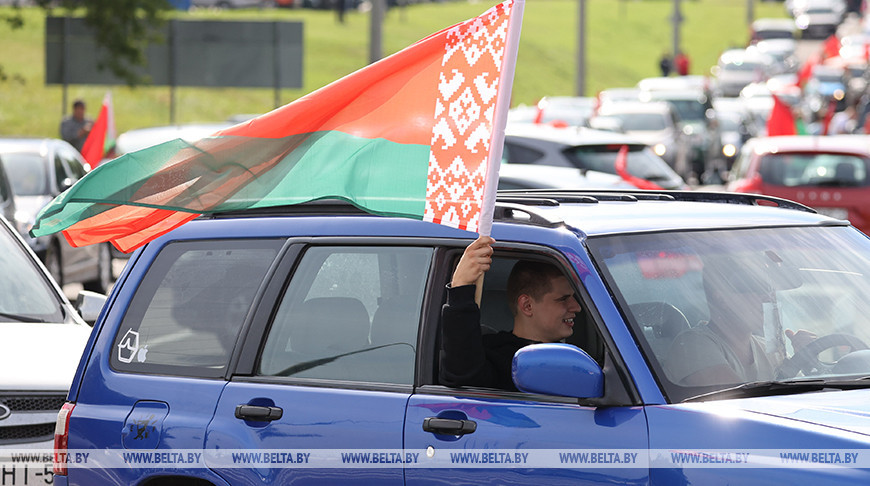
376,51
581,49
677,19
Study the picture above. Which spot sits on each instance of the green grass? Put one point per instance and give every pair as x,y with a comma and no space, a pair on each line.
625,39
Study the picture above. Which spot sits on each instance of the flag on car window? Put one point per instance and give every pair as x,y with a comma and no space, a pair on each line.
417,134
101,140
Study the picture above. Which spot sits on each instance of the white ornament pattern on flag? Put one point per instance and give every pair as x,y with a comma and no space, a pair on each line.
467,89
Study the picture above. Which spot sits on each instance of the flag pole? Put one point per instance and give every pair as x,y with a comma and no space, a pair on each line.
502,105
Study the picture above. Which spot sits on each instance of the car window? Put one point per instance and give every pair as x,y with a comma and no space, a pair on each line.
27,172
186,314
836,170
62,178
515,153
688,295
642,161
76,169
350,313
28,295
642,121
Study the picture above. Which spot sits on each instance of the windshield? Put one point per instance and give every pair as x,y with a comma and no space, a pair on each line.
813,169
716,309
641,121
27,172
642,161
27,297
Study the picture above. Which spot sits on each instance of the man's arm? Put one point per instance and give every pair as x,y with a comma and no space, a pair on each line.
463,361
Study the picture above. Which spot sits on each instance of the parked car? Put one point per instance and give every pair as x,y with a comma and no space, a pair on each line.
818,19
243,341
43,337
40,169
827,173
7,199
783,52
657,124
591,151
698,122
738,67
771,28
737,124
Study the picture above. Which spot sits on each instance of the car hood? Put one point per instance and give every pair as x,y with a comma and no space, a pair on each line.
40,356
841,410
31,205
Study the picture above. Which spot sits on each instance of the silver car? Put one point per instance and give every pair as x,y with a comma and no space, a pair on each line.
39,170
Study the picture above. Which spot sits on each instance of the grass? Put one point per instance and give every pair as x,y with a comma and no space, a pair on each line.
624,40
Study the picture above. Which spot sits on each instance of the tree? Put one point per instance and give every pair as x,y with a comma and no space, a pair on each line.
123,28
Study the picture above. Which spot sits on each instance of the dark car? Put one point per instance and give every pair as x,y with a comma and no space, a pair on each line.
40,169
586,149
301,345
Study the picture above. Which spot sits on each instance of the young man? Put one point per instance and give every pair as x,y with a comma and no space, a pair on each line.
540,298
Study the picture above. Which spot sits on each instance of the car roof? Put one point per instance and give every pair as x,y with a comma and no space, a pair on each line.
27,143
520,215
806,143
693,82
773,23
573,136
635,107
140,138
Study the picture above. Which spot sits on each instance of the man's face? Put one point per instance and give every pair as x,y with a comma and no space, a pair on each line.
553,314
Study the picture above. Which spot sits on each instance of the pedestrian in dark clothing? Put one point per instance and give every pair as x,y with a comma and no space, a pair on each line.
540,298
76,127
665,65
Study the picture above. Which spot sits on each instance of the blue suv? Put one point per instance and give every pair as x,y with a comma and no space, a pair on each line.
301,345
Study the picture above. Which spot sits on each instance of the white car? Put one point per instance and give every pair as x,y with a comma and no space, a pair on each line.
42,337
655,123
738,67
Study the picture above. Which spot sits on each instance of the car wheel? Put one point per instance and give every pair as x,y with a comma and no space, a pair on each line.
104,271
53,263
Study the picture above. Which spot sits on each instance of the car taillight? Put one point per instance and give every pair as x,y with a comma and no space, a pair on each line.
751,185
61,438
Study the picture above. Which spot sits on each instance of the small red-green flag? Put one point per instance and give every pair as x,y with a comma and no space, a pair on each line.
418,134
101,140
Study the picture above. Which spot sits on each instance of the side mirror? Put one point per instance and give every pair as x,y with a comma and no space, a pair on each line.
89,305
557,369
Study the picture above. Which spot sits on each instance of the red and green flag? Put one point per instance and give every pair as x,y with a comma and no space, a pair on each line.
101,140
418,134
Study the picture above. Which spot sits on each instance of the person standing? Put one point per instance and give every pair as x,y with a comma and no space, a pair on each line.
681,63
665,65
76,127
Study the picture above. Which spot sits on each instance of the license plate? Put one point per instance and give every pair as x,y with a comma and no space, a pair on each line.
838,213
28,474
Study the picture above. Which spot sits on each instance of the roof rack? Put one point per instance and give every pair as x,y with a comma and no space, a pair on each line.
554,197
519,205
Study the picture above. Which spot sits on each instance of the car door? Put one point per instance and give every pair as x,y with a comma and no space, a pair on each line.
473,435
327,386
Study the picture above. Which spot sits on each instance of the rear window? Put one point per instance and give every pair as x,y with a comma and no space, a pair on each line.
187,313
830,170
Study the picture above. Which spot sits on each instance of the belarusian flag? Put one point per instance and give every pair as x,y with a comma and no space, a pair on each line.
781,120
101,140
418,134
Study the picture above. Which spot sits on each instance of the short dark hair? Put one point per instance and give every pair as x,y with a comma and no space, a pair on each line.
78,103
530,277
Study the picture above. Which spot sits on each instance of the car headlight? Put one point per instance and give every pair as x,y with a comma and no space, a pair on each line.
660,149
802,22
729,150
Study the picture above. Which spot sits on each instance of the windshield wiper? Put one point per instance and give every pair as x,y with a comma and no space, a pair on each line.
785,387
19,318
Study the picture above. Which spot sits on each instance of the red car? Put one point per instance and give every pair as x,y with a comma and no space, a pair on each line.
827,173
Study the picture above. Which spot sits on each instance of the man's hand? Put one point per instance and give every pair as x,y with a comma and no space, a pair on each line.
475,261
800,338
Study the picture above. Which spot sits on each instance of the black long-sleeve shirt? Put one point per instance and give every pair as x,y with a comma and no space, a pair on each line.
469,358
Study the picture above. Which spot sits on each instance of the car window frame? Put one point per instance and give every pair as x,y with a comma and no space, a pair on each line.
620,389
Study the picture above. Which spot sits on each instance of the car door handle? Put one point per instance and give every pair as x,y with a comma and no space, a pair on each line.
449,426
258,413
